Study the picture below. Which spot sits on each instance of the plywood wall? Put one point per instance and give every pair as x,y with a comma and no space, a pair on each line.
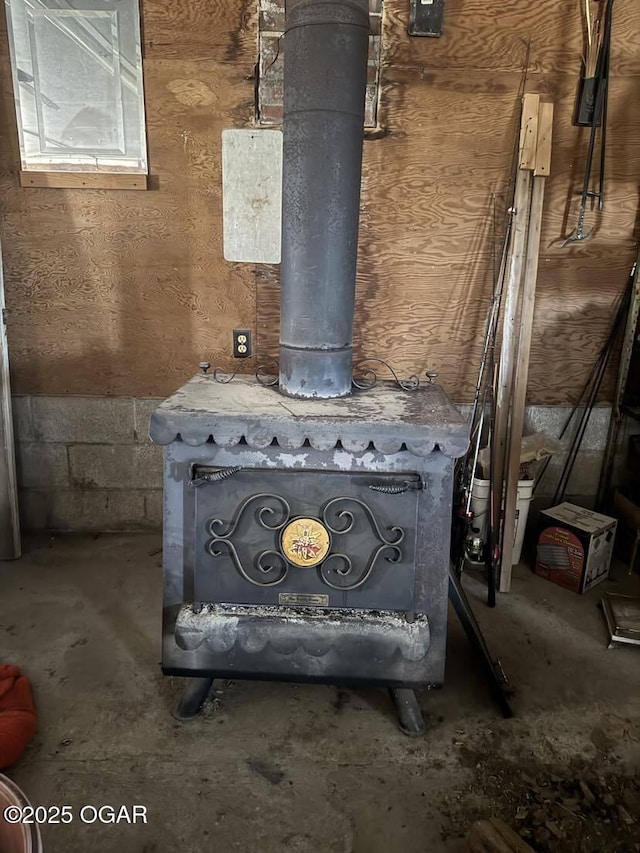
115,292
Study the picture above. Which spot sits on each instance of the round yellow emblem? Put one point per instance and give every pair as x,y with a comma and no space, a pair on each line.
305,542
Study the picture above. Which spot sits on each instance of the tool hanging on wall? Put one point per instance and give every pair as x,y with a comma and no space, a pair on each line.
591,106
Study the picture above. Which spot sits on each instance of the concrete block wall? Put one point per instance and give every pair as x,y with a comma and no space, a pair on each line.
583,484
86,463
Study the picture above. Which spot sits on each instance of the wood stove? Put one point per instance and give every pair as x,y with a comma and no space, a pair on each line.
306,524
307,540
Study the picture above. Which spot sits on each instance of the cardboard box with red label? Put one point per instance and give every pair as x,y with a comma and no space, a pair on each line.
575,546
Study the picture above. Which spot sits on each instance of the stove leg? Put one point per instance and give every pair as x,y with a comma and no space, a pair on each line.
193,698
409,714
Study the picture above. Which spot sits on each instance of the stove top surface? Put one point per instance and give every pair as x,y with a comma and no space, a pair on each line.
385,416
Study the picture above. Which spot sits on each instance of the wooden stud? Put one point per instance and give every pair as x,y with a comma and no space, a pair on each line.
84,180
10,547
529,131
543,146
509,335
500,438
543,157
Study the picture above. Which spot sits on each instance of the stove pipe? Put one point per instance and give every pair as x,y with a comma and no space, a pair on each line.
325,77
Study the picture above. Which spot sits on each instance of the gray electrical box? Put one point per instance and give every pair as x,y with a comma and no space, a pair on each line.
426,18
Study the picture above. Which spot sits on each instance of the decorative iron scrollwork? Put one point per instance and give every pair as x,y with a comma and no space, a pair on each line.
345,567
264,372
223,378
213,547
271,565
364,376
368,378
215,526
338,570
339,515
333,507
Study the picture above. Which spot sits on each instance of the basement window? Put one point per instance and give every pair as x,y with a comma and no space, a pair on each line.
271,64
77,77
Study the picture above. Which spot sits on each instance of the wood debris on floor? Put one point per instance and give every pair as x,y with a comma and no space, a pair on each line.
554,809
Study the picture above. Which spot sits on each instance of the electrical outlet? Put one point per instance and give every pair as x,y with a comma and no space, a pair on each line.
241,343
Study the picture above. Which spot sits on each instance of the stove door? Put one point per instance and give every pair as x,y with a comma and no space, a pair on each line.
305,538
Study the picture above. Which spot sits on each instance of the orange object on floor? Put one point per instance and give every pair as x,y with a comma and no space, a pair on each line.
17,715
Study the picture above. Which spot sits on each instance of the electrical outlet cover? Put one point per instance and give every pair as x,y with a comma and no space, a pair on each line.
241,343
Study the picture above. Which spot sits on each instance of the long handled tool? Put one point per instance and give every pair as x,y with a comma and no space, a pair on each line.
493,671
606,46
586,391
599,120
617,414
600,368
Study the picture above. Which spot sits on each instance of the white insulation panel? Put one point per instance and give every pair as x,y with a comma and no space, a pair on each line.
252,195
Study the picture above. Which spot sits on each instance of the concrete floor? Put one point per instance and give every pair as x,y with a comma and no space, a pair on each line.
272,767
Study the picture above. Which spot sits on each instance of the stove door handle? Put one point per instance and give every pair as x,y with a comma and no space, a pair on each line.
398,488
216,476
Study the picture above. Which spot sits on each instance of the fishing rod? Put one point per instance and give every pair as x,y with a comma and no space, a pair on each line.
498,279
468,464
493,523
466,470
491,328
